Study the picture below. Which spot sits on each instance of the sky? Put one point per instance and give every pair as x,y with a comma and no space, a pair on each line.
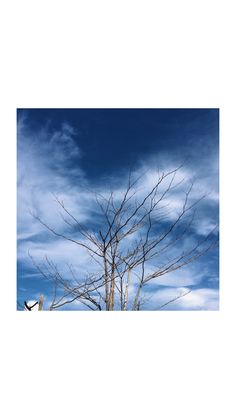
72,153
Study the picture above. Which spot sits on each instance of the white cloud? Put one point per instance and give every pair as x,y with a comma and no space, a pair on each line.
43,169
197,299
205,184
188,276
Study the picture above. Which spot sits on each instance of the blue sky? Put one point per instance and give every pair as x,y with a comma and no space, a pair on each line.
74,152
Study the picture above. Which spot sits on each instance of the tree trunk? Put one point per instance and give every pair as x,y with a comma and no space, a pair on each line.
126,290
136,303
106,283
41,302
112,291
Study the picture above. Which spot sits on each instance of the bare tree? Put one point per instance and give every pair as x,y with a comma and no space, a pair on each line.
138,240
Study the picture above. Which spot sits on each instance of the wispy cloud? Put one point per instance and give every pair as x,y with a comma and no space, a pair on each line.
44,169
197,299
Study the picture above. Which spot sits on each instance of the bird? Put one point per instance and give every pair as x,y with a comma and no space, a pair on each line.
30,305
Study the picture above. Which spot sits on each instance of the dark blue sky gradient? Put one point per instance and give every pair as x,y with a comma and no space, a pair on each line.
111,139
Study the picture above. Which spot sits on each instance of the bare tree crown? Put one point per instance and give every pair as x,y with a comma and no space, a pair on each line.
140,237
